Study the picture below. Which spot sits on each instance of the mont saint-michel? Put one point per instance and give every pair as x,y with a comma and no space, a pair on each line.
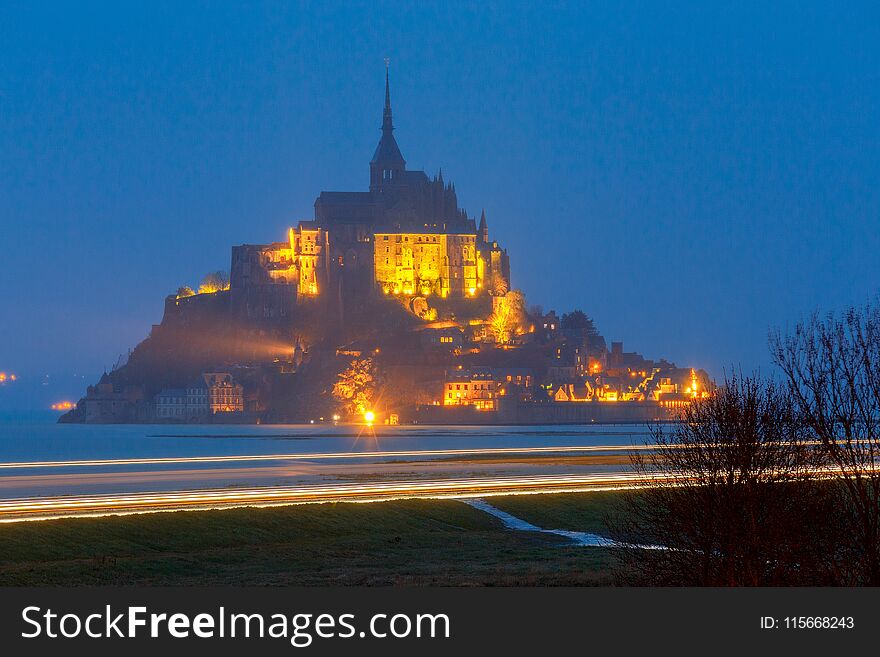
391,305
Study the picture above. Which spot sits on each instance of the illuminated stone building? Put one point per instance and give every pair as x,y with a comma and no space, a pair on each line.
427,263
213,392
405,235
573,392
300,264
481,387
476,387
224,394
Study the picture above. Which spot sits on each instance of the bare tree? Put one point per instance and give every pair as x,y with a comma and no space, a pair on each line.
214,282
733,503
832,363
508,316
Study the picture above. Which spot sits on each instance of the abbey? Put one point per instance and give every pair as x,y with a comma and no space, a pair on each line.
392,295
404,236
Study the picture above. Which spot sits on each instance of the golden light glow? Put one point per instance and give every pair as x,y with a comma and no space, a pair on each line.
43,508
472,291
369,417
63,406
425,263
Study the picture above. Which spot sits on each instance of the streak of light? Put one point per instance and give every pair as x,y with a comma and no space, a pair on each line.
46,508
321,456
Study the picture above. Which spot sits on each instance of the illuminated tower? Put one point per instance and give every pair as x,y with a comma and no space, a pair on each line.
387,164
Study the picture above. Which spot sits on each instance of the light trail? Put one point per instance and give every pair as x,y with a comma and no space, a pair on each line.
64,506
48,508
315,456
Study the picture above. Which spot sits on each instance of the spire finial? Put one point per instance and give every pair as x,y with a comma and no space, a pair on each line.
387,162
386,117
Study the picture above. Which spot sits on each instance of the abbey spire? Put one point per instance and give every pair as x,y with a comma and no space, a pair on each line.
387,163
387,123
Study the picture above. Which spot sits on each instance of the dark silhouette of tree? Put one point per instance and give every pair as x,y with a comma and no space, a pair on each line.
832,364
577,323
577,320
734,504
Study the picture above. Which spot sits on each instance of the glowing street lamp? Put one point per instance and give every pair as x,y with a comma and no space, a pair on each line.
369,417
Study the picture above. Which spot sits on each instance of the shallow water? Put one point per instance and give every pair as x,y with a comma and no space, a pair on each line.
300,455
40,439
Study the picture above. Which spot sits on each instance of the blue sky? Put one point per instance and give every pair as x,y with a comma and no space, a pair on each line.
687,174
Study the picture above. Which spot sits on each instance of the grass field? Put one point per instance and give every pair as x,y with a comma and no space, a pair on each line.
408,543
583,512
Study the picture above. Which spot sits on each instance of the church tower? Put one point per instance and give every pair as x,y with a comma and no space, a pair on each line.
387,163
